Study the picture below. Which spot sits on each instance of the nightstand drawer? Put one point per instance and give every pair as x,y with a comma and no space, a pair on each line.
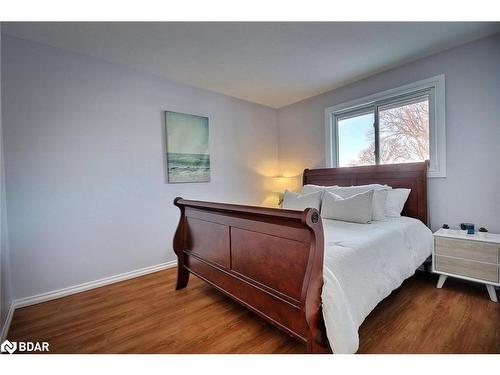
475,250
461,267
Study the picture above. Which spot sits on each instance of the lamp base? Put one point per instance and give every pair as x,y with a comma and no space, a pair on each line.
280,200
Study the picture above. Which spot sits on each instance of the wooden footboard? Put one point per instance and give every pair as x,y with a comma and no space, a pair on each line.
269,260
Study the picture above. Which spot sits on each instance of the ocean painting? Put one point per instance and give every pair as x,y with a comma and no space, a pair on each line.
188,159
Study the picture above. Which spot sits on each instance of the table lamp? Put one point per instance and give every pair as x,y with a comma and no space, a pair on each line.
279,185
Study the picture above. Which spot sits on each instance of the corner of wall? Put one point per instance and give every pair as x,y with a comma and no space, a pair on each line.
6,308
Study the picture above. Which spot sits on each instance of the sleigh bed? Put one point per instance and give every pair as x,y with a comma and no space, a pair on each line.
271,260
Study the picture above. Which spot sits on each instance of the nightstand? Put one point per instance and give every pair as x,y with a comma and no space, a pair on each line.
467,256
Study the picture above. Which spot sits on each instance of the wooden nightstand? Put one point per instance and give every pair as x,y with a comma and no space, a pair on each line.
469,257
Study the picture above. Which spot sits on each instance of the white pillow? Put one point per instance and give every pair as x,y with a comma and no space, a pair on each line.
308,189
346,190
379,204
379,197
396,199
357,208
294,201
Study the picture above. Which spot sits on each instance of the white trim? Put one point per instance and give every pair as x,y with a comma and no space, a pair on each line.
8,321
437,123
48,296
43,297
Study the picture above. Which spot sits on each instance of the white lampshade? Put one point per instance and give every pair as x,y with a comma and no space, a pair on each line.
280,184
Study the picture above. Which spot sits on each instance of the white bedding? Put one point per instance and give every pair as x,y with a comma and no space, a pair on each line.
363,264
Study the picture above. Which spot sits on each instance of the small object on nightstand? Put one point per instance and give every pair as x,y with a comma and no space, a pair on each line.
467,227
470,228
483,233
473,258
445,228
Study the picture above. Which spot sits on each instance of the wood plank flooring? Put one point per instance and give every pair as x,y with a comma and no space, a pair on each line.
146,315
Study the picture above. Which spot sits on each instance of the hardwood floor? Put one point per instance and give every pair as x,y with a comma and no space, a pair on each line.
419,318
146,315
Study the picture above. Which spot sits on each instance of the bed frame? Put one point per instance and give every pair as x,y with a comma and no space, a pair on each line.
271,260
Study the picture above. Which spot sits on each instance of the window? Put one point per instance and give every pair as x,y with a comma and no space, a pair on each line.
355,137
403,125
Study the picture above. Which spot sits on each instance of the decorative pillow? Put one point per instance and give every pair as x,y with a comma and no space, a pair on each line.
294,201
379,196
348,191
343,191
308,189
396,199
357,208
379,203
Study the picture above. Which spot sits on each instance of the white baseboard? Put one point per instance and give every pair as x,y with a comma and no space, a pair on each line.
6,326
43,297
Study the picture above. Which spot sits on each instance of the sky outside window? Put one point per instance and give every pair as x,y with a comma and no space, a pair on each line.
355,135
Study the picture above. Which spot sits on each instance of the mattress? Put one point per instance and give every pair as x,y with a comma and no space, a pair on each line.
363,264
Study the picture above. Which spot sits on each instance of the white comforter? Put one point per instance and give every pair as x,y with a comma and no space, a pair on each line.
363,264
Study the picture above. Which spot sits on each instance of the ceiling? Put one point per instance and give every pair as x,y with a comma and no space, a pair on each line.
274,64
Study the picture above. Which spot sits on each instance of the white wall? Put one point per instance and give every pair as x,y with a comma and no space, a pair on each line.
84,165
470,190
5,282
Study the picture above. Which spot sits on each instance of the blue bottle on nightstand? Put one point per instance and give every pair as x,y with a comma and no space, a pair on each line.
470,228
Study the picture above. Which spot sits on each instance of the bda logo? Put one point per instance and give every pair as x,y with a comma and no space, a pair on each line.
8,346
24,346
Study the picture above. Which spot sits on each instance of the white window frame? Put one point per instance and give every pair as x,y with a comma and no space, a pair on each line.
437,120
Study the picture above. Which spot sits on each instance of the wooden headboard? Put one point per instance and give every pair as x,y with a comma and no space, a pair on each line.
409,175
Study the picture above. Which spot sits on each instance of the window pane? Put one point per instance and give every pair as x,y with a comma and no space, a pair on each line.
356,140
404,131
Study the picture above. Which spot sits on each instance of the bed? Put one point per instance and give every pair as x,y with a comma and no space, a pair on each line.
383,254
296,270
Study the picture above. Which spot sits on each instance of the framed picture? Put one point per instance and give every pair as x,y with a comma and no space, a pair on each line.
188,159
